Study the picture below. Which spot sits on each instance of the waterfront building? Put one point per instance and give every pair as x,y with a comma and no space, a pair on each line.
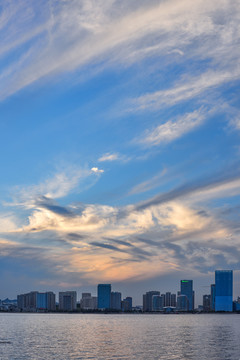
212,301
206,303
116,299
31,301
21,302
88,302
127,304
68,300
104,296
173,300
144,302
163,299
169,309
157,303
182,303
35,301
224,290
28,301
147,300
168,299
46,301
236,305
187,289
41,301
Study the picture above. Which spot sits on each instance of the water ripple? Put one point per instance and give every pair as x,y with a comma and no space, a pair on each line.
108,337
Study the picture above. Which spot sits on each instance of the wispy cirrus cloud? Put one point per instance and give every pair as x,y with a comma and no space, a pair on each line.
235,122
69,35
148,184
109,157
60,185
186,89
172,129
114,156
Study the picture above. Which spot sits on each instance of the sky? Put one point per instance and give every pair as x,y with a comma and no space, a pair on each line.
120,129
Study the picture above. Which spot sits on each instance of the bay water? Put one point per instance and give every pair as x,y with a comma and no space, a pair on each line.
120,336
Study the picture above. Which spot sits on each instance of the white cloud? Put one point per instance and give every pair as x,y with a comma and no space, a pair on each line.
96,170
178,212
109,157
8,222
172,130
109,242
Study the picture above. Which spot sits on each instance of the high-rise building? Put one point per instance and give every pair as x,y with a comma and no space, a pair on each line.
157,303
224,290
163,299
21,302
116,299
168,299
187,289
46,301
27,302
206,303
147,300
35,301
68,300
127,304
182,303
104,296
144,302
212,301
173,300
88,302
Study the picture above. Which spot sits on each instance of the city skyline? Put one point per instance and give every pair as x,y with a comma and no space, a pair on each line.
220,296
120,127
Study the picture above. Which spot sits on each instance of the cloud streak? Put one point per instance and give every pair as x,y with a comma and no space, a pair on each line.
109,157
187,89
214,186
172,130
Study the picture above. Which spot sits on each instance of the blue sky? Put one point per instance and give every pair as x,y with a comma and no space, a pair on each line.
120,128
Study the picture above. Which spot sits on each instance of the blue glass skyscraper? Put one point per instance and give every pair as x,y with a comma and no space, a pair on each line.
104,296
223,290
187,289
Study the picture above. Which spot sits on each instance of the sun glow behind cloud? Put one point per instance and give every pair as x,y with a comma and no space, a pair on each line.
119,243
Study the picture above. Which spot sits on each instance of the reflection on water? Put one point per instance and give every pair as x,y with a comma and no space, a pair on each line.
95,336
